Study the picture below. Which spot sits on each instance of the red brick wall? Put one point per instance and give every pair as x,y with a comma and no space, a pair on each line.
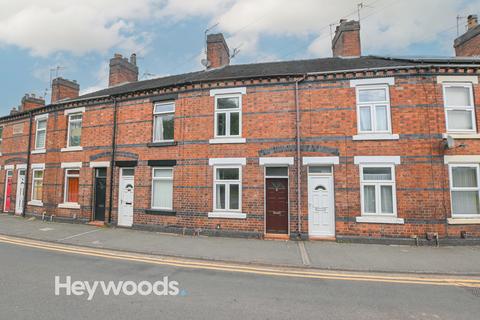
469,48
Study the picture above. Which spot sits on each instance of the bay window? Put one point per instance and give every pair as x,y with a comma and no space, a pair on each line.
163,122
373,109
465,191
378,190
459,107
227,189
162,188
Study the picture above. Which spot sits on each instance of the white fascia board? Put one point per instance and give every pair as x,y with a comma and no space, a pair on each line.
9,167
99,164
372,81
240,90
74,110
38,166
461,159
286,161
320,160
22,166
471,79
227,161
68,165
41,116
376,159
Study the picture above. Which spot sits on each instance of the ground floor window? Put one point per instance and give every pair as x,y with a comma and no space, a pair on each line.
227,189
72,179
37,185
465,191
378,190
162,188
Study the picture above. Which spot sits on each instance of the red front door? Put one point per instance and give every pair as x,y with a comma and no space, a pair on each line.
276,205
8,191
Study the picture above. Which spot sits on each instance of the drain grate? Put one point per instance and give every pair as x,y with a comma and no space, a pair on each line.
474,291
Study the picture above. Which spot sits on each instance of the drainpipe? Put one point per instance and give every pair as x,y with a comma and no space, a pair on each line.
297,136
27,171
112,160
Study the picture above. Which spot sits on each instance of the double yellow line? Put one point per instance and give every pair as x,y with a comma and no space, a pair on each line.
232,267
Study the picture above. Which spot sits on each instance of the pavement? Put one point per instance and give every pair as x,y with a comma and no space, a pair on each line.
455,260
27,291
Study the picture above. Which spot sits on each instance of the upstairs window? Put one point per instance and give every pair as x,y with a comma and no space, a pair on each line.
459,107
41,134
228,116
373,109
227,193
74,130
72,177
465,191
378,190
163,123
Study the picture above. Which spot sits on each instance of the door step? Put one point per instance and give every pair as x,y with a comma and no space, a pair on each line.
276,236
322,238
97,223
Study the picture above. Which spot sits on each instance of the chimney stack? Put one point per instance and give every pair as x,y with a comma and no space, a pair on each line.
64,89
218,54
346,42
31,101
123,71
468,44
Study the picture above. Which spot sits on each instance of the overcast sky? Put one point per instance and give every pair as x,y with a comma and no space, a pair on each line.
168,35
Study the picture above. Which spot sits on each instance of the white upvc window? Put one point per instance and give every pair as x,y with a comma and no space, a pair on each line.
163,121
228,115
459,107
227,194
37,185
74,130
40,134
72,185
373,109
378,190
465,190
162,188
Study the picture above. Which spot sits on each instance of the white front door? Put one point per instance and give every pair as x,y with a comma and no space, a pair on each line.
20,192
125,197
321,211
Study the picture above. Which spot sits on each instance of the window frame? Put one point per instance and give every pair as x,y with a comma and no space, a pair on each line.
160,114
227,188
65,186
36,133
163,179
33,185
372,105
69,125
452,188
470,108
378,184
228,115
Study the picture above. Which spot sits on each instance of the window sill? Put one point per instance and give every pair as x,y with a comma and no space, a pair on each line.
461,135
71,149
227,140
161,144
463,220
375,136
36,151
35,203
379,219
227,215
160,212
69,205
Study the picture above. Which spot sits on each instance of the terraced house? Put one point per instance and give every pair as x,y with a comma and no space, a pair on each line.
349,147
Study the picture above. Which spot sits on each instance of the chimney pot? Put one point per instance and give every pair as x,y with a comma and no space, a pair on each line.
218,54
346,42
122,70
472,21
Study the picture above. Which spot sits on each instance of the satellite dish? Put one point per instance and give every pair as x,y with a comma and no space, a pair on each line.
450,142
205,63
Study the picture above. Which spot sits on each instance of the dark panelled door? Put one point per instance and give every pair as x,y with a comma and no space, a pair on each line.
100,193
277,205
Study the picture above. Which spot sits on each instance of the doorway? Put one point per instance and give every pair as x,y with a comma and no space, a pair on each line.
20,198
276,200
100,192
321,204
126,197
8,191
